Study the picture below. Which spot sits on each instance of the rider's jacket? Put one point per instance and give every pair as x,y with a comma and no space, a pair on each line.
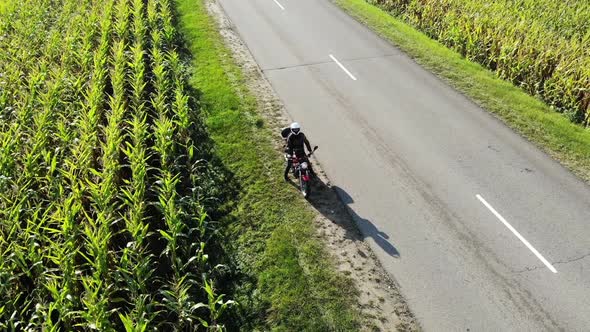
295,144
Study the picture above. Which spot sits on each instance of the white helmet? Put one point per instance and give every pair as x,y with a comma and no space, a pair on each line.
295,128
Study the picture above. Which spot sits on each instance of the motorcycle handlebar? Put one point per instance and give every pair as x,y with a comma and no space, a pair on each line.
314,148
309,154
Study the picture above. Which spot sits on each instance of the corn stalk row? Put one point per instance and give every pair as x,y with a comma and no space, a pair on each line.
539,45
105,186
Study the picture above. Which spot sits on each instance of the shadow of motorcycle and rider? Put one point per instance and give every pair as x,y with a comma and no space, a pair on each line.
334,203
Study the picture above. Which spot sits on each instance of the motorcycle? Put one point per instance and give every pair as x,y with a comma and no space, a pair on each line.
301,168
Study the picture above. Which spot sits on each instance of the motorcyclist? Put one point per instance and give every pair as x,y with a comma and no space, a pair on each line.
295,142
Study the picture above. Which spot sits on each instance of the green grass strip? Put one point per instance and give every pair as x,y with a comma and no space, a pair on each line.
273,233
4,6
528,116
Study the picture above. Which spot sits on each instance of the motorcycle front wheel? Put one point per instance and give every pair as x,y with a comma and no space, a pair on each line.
305,187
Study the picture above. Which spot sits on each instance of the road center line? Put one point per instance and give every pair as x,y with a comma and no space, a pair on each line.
342,67
279,4
520,237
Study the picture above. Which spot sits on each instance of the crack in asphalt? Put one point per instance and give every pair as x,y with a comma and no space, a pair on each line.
573,259
528,269
298,66
329,61
567,261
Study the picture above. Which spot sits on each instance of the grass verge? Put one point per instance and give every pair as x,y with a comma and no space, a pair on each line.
3,6
287,282
528,116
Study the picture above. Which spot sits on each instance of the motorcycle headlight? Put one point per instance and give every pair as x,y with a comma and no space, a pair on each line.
304,166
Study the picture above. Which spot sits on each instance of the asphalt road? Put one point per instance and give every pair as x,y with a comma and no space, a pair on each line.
481,230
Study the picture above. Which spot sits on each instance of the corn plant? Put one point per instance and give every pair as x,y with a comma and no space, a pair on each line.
102,222
539,45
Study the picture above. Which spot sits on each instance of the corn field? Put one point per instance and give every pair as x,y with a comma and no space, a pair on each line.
104,181
539,45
